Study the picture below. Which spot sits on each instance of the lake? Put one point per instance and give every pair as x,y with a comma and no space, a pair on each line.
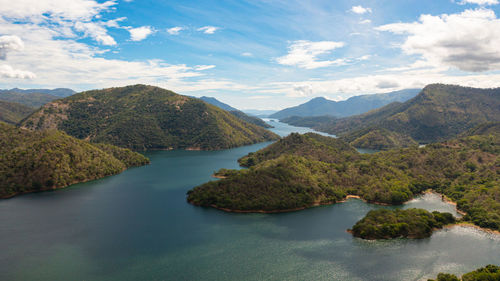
138,226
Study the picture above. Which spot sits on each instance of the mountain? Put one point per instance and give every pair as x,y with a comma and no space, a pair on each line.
144,117
437,113
59,92
12,113
27,99
352,106
32,161
219,104
240,114
298,172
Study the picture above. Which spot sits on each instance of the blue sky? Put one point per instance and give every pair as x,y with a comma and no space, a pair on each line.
251,54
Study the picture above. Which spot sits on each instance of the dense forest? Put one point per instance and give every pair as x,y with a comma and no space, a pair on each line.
487,273
410,223
144,117
12,113
33,161
301,171
438,113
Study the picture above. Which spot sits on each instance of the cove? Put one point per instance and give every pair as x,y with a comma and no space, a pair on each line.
138,226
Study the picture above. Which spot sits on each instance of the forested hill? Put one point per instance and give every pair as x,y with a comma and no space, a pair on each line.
144,117
438,113
27,99
12,113
32,161
352,106
303,171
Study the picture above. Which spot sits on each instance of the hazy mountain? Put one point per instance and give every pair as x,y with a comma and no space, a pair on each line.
352,106
59,92
218,103
259,112
12,113
28,99
145,117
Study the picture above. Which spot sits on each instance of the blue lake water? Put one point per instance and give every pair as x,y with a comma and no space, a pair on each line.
138,226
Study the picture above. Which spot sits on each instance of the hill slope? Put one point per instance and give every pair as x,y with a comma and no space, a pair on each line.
144,117
28,99
438,113
352,106
12,113
238,113
466,170
32,161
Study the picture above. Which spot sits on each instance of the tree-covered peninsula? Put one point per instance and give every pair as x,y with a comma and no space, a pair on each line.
301,171
410,223
142,117
32,161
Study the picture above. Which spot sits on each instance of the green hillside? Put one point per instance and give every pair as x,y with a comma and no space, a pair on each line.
466,170
379,139
438,113
33,161
28,99
487,273
144,117
12,113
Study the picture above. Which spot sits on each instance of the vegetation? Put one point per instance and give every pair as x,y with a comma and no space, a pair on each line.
352,106
411,223
33,161
438,113
27,99
310,145
12,113
144,117
301,171
250,119
380,139
487,273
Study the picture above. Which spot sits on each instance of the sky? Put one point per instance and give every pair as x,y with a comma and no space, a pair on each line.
255,54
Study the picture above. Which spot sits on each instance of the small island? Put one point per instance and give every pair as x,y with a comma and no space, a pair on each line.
411,223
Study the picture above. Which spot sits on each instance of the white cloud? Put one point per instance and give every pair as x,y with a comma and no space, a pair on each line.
63,9
304,54
480,2
365,22
7,71
203,67
9,43
360,10
247,54
208,29
468,41
140,33
175,30
95,31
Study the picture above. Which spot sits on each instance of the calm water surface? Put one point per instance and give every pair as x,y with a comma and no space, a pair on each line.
138,226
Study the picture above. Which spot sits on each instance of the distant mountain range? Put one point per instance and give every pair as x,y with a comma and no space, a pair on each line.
27,99
352,106
259,113
144,117
438,113
238,113
59,92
